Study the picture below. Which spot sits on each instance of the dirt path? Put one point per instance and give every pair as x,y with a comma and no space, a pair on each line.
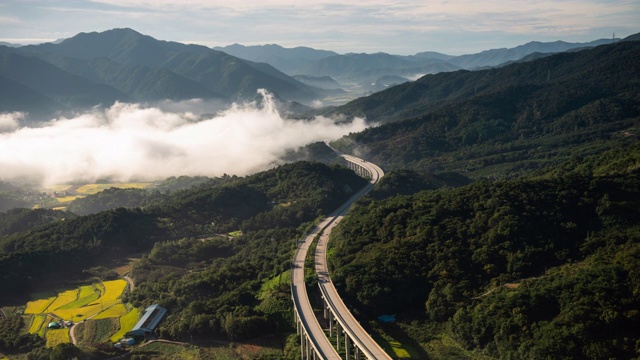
132,285
72,333
511,286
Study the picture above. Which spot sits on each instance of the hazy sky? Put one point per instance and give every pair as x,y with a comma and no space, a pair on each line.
393,26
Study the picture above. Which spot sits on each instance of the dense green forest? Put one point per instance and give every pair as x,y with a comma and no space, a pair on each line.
518,123
567,245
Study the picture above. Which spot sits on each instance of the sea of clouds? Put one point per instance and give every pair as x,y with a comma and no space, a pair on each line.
133,142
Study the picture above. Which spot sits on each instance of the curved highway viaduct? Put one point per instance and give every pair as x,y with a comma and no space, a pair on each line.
351,338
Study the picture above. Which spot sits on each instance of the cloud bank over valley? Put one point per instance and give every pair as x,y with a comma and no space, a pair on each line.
128,142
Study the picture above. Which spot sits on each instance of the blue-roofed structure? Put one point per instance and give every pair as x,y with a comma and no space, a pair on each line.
149,320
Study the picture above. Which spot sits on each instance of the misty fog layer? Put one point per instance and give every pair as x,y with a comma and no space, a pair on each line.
130,142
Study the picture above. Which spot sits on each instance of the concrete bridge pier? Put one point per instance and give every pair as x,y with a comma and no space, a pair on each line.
338,330
347,347
330,324
298,331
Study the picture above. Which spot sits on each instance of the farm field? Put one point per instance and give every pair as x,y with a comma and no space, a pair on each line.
96,302
57,336
61,194
127,322
90,189
38,306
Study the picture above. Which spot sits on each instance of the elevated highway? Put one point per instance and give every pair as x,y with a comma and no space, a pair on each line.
351,339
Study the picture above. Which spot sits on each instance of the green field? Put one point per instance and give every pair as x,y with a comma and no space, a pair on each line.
161,350
95,331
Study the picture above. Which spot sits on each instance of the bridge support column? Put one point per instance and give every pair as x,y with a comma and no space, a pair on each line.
330,324
338,330
347,348
303,342
309,349
357,351
326,309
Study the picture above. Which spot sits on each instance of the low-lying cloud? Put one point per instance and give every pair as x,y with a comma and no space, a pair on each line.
129,142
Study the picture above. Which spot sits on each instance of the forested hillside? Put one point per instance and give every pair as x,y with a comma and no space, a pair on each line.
518,122
281,198
545,267
97,69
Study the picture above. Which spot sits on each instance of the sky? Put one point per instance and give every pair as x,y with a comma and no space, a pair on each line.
400,27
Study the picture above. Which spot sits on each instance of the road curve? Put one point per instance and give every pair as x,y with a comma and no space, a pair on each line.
319,340
369,347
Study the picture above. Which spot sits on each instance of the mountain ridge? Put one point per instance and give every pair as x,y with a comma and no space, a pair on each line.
137,67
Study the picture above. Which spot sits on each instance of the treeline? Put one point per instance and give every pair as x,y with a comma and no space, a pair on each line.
567,244
21,219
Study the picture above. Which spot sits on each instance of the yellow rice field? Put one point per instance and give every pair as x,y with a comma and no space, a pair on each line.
90,189
88,294
87,290
61,187
63,299
57,336
67,199
98,301
38,306
79,314
45,323
116,310
113,290
127,322
36,324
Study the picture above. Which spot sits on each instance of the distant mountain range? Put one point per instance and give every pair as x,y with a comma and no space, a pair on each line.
368,71
97,69
292,61
434,90
92,69
506,121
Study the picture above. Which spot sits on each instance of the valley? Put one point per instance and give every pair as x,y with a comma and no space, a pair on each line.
505,226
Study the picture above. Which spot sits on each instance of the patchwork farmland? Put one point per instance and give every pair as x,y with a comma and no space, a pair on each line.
58,196
51,317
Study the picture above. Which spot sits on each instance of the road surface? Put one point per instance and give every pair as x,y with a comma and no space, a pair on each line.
371,349
301,300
